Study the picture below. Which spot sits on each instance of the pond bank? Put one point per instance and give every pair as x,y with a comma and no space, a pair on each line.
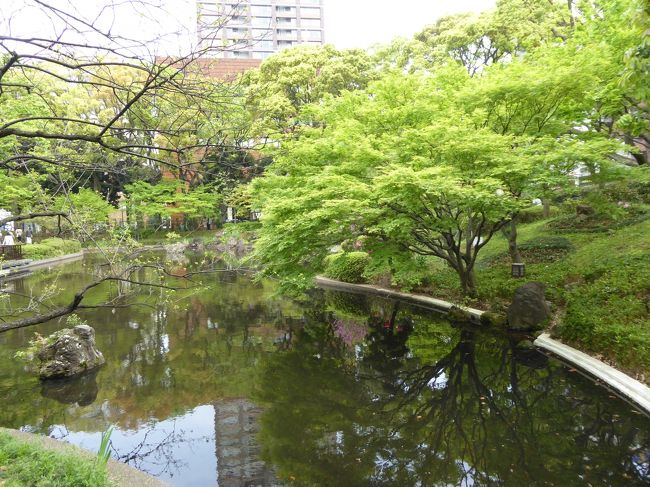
120,474
624,385
627,387
283,376
28,265
53,260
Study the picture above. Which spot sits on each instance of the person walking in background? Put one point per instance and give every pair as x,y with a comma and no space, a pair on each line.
19,235
8,239
28,236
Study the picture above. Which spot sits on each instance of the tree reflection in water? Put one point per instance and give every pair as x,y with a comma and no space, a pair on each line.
420,403
163,449
357,392
155,457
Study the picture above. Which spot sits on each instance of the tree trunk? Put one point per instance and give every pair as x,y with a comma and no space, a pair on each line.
467,282
96,183
513,248
546,206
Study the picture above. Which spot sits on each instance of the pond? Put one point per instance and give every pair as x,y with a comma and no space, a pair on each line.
228,384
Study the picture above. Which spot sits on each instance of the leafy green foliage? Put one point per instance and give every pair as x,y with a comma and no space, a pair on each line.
424,165
240,199
478,40
599,289
20,191
86,207
296,77
606,217
172,197
548,242
104,452
608,312
51,247
541,249
347,266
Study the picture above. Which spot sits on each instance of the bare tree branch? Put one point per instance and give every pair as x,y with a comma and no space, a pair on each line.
31,216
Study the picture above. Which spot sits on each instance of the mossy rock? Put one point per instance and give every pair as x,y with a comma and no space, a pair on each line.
458,314
490,318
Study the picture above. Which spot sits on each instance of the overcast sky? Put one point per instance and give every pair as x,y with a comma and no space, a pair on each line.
170,28
361,23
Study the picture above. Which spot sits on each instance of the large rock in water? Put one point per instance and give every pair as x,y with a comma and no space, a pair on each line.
81,389
69,352
529,309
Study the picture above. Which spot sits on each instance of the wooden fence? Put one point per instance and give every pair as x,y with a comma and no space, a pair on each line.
11,252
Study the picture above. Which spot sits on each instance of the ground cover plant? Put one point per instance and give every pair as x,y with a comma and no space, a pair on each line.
24,463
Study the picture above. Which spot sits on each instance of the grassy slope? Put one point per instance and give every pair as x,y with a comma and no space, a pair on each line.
28,464
600,290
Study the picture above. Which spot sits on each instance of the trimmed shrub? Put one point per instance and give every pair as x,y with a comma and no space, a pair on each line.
534,214
347,266
348,304
51,247
542,249
598,223
547,242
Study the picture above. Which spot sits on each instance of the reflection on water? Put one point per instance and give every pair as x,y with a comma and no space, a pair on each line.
173,449
226,384
237,451
78,390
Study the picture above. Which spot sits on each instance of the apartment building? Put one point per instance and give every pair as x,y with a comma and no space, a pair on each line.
255,29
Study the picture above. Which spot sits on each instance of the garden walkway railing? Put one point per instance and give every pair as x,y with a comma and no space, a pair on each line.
11,252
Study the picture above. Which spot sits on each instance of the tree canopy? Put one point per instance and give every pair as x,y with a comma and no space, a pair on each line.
296,77
434,161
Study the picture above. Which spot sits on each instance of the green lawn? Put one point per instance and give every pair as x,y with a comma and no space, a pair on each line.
29,464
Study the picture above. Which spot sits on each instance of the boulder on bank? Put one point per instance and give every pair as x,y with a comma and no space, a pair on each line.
529,309
69,352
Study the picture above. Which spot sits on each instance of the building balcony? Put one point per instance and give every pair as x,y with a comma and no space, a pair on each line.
282,23
286,36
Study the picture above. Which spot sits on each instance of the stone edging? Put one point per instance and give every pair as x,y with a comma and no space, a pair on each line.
52,260
629,388
624,385
95,250
17,271
120,474
437,304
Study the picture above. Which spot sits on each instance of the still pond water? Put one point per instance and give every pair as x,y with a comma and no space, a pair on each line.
229,385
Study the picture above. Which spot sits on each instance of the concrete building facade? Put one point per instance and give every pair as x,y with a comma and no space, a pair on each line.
255,29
